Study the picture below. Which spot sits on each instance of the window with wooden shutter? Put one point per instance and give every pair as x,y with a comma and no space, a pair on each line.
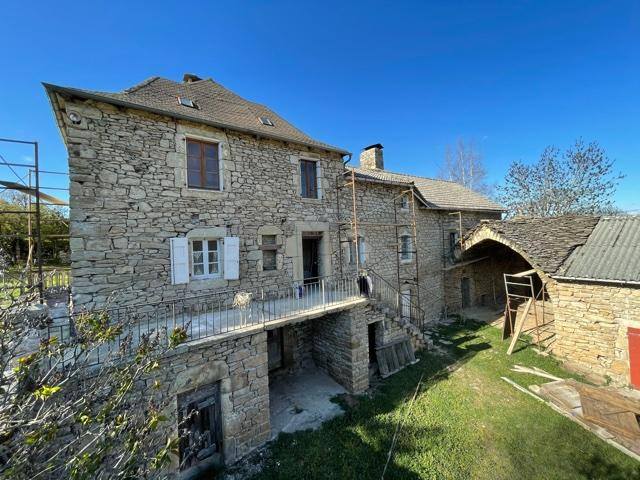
231,258
203,165
308,179
179,250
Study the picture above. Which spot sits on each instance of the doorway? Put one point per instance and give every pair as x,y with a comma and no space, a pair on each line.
465,286
311,256
275,348
405,303
372,343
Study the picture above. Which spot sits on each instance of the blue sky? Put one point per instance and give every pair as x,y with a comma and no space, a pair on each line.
414,76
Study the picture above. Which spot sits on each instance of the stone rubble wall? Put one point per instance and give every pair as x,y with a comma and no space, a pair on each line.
591,322
128,198
341,348
374,205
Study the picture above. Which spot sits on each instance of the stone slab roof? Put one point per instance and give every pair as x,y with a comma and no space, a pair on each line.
611,253
439,194
547,242
216,106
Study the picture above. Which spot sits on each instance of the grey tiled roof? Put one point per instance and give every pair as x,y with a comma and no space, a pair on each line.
440,194
547,242
611,253
217,106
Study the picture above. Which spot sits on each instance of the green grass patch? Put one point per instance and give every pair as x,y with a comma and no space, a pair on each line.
464,424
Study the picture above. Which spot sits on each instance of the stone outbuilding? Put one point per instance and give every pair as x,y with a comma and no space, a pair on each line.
587,271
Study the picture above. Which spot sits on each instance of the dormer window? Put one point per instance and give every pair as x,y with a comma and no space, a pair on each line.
266,121
187,102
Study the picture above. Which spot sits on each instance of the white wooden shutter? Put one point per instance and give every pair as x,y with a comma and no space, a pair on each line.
231,258
179,260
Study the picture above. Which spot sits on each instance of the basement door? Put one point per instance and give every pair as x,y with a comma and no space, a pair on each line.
465,287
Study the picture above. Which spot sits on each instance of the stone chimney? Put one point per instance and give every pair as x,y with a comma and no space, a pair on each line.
190,77
371,157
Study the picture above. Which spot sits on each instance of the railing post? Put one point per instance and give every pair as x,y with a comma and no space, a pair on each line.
324,302
262,307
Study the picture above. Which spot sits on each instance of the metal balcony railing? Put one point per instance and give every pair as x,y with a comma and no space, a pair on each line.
215,314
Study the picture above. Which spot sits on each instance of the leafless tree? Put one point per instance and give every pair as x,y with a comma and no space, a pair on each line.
463,164
580,180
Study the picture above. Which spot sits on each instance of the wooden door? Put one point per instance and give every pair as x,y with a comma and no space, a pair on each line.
465,286
310,259
634,356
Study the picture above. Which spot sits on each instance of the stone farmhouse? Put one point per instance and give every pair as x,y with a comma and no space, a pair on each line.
586,279
193,206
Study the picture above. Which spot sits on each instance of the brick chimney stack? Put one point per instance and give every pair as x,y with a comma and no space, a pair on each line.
371,157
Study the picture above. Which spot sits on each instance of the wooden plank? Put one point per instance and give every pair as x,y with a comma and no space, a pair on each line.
573,418
519,325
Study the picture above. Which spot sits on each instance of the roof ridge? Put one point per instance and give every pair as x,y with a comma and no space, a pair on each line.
143,83
417,176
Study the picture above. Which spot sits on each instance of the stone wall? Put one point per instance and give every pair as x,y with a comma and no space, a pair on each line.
591,322
341,348
375,204
128,197
239,366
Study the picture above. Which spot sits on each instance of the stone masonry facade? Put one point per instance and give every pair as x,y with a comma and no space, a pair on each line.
591,323
375,204
128,197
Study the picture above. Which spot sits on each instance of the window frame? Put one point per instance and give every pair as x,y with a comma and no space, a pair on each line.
361,251
203,142
407,255
309,166
404,202
205,258
269,247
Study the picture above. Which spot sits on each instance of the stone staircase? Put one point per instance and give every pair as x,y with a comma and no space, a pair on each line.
418,339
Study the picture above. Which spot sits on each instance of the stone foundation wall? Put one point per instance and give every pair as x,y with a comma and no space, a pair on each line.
341,348
591,322
240,365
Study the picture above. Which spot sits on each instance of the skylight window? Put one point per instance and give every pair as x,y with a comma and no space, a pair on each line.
187,102
266,121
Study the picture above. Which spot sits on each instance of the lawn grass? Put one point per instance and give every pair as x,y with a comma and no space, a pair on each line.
467,424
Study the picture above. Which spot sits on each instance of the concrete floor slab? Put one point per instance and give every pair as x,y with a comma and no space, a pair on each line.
303,401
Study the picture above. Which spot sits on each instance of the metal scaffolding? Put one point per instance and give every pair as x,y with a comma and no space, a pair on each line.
36,200
354,223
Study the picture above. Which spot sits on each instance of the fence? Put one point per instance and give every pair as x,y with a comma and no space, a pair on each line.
15,284
215,314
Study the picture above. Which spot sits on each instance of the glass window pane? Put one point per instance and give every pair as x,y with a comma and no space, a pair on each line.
193,163
210,151
193,148
213,268
211,165
197,245
268,259
198,269
213,245
212,180
197,257
194,179
268,239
